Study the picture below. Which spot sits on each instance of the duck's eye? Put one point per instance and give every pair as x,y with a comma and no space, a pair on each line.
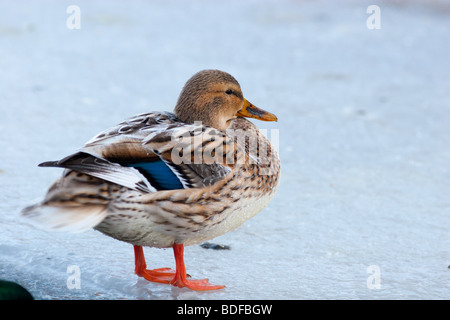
229,91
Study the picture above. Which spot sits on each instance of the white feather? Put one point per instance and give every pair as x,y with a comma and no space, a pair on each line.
73,219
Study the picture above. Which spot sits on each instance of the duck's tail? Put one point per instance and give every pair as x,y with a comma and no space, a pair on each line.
65,218
74,203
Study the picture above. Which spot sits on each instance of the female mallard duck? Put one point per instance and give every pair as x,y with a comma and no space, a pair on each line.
169,180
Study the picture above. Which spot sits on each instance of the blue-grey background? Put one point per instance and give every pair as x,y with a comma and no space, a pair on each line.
364,120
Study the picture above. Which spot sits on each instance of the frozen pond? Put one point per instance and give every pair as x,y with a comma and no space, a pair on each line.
362,211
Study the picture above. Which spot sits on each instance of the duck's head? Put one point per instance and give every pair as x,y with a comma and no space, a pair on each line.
215,98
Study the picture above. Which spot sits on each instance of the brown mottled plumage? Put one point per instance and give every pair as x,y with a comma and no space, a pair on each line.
168,180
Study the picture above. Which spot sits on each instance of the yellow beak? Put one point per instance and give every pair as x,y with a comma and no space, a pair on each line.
250,111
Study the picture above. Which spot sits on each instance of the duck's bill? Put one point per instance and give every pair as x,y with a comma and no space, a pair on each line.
250,111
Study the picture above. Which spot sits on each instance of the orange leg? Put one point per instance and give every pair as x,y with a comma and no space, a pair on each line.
162,275
180,280
176,278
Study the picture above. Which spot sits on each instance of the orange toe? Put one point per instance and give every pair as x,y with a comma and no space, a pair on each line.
200,285
163,275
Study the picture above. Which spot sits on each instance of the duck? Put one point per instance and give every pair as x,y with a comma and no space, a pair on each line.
168,179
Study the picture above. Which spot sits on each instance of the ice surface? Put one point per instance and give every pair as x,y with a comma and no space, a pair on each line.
364,120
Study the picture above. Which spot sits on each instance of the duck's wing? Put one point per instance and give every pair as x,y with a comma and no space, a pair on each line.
109,154
197,155
106,170
123,142
153,152
146,153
